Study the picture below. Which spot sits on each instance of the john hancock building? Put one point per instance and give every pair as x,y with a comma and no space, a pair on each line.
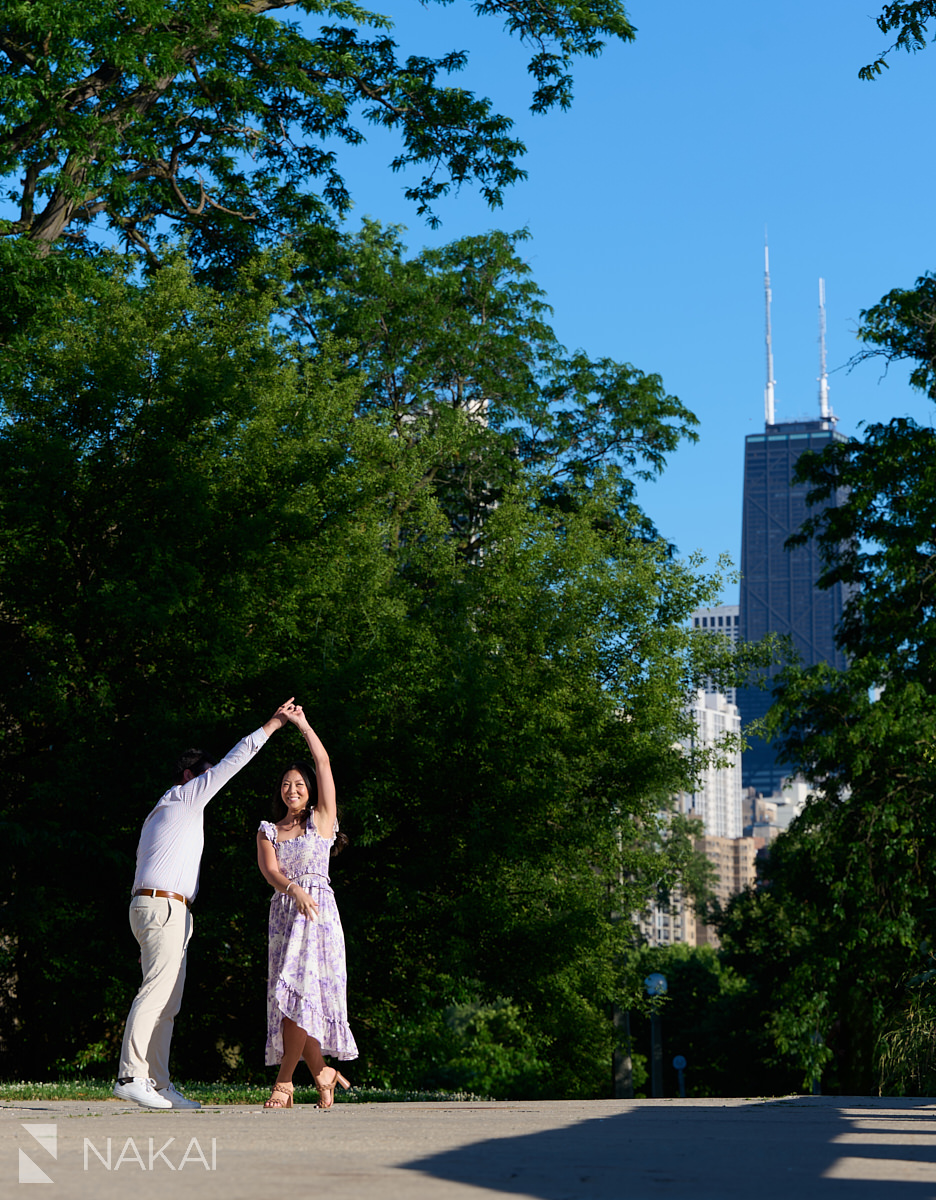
778,586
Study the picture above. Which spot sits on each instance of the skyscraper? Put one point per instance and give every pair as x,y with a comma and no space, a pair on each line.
726,620
716,798
778,586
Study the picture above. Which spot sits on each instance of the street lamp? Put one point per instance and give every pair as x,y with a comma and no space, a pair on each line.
655,985
679,1064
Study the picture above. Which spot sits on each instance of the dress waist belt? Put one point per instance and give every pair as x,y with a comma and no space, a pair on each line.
315,879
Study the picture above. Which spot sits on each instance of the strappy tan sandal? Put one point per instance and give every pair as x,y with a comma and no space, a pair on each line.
280,1090
326,1091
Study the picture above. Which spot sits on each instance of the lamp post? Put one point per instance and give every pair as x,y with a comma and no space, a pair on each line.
656,987
679,1064
622,1062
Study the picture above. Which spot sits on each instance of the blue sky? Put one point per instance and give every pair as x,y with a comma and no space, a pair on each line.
648,202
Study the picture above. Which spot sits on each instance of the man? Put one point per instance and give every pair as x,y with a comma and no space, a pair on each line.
165,884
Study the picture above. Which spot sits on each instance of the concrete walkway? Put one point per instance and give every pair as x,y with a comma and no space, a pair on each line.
798,1148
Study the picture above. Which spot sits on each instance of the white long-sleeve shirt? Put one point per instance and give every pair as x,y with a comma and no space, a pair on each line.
173,835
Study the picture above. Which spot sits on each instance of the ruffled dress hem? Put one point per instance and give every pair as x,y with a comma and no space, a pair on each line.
333,1036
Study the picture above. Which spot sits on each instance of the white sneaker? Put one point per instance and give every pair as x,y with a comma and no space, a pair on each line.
142,1092
175,1098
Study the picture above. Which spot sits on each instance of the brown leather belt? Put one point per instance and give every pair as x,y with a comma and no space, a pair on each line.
165,895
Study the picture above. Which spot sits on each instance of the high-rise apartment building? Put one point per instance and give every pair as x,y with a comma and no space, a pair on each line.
723,619
778,586
717,798
669,924
734,861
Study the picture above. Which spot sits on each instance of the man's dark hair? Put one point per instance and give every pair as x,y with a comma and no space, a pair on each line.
195,761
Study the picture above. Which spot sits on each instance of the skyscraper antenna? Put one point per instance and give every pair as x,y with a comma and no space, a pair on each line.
824,410
769,389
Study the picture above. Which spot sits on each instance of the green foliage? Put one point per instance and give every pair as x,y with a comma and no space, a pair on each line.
223,118
849,892
848,889
485,1048
910,20
464,329
161,455
903,326
906,1051
548,792
226,1093
706,1017
198,517
880,544
695,873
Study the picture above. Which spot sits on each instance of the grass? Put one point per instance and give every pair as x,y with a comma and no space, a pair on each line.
223,1093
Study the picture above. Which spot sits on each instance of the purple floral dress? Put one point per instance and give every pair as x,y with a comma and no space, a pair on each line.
308,978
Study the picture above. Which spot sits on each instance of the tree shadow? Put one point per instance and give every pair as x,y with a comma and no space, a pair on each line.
858,1148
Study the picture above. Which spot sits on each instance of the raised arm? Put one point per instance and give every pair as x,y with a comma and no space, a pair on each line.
199,789
325,810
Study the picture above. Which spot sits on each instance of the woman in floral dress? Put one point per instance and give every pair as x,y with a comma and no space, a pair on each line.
307,1014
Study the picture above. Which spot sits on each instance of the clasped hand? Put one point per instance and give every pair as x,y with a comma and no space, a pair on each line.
283,714
296,716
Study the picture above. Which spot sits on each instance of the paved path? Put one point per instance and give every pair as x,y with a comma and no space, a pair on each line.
798,1148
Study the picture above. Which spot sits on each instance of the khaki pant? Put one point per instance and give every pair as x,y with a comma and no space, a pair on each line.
163,928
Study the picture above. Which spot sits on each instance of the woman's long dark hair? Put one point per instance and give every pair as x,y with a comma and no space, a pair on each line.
307,771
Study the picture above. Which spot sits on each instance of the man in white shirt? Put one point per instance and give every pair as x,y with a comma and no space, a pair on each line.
165,884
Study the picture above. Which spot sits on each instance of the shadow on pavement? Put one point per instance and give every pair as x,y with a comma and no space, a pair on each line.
795,1149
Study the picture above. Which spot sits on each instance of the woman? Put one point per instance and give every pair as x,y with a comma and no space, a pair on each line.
306,992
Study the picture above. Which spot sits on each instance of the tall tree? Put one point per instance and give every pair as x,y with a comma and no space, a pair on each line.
166,500
463,332
196,513
221,119
857,870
